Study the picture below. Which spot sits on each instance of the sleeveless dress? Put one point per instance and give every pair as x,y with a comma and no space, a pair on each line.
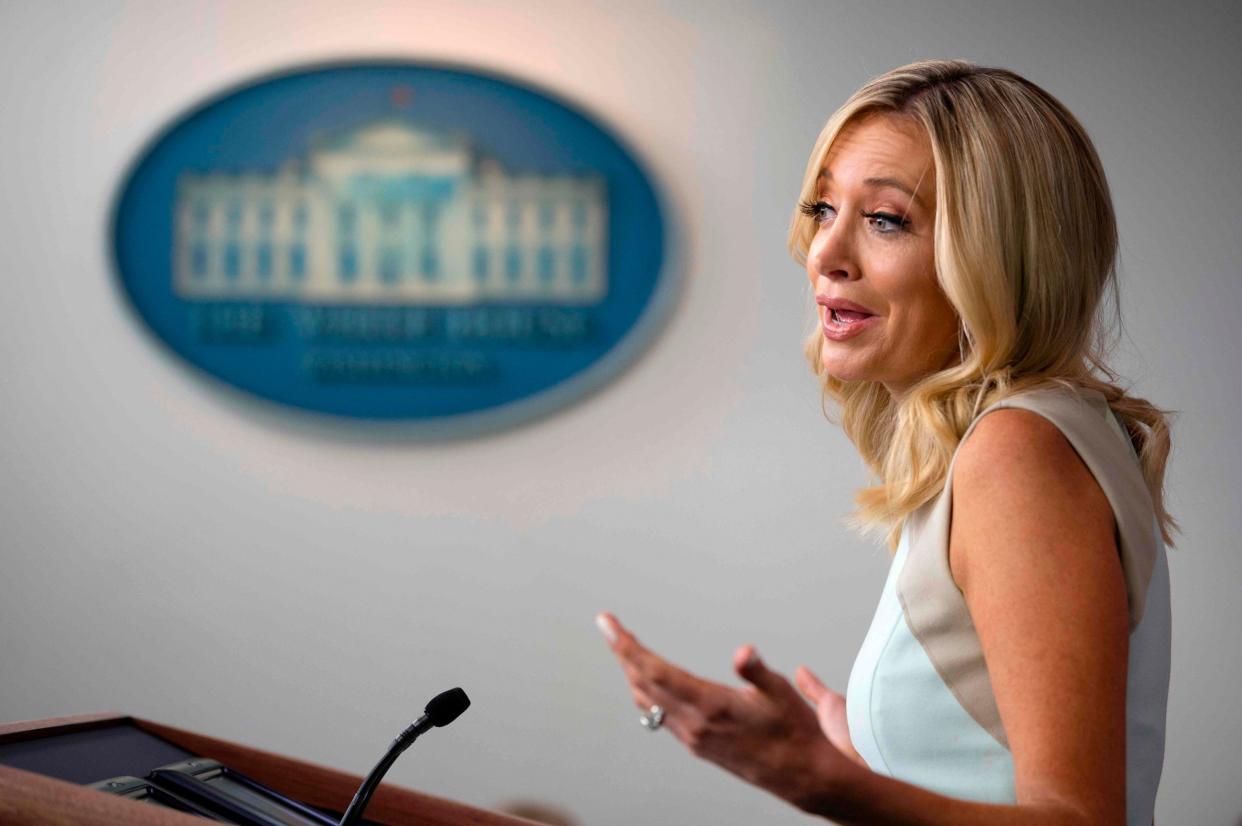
919,703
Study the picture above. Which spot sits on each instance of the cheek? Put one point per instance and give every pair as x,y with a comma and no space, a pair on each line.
922,315
937,322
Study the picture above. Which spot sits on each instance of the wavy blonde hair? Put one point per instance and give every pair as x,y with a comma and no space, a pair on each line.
1025,251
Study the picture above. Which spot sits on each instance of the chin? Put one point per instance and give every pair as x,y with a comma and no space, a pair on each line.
844,370
845,373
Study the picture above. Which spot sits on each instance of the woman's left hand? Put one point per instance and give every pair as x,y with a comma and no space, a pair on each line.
765,733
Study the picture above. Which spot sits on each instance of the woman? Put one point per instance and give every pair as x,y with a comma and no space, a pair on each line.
958,235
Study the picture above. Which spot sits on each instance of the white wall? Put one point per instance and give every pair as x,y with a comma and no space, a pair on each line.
175,550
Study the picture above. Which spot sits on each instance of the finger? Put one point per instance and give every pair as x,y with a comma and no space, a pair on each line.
829,705
625,645
644,700
830,711
679,719
608,626
647,693
647,670
619,638
666,681
750,667
677,716
810,685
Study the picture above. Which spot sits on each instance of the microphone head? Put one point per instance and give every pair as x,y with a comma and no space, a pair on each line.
445,707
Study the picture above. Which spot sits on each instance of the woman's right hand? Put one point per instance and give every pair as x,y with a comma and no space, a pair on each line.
830,709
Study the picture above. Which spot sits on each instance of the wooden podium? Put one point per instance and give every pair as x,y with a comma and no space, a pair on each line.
30,798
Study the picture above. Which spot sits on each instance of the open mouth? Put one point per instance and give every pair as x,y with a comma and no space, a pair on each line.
847,316
840,325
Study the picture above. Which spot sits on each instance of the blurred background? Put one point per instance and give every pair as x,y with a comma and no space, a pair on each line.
176,550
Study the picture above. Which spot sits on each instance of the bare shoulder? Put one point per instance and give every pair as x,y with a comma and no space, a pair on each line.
1019,485
1013,434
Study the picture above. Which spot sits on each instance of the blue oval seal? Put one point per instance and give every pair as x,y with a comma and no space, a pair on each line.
395,241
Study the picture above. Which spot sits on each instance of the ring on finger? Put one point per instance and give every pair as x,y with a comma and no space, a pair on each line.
653,718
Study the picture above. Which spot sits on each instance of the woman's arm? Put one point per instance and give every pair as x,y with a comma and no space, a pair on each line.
1032,547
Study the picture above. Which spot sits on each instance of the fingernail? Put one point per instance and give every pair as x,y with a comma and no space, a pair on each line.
752,659
606,628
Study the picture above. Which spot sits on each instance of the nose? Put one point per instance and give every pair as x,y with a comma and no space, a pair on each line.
831,254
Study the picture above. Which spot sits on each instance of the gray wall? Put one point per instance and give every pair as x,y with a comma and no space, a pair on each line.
332,582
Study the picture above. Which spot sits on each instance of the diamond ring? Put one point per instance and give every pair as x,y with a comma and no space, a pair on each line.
652,719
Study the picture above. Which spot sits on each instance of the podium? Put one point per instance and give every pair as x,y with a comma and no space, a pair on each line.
36,795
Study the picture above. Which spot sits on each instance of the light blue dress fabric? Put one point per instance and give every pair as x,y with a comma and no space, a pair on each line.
905,722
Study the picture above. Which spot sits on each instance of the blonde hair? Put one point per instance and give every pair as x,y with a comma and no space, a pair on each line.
1025,249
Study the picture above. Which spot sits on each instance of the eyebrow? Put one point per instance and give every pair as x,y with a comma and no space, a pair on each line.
824,174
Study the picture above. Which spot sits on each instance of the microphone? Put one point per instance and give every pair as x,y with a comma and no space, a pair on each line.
443,709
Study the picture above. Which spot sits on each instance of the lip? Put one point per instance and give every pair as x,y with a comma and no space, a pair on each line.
841,331
842,304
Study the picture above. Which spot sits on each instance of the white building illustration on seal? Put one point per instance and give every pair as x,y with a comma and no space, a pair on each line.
388,213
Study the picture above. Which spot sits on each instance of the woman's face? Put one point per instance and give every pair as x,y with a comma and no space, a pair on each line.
875,207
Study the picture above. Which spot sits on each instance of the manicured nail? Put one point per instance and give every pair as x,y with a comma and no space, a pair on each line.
606,628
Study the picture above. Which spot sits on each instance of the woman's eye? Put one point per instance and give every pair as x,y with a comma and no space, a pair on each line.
815,209
893,222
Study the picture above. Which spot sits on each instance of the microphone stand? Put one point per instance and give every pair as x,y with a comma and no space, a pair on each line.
443,709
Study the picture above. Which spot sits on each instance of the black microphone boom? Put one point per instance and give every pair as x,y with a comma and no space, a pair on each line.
443,709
